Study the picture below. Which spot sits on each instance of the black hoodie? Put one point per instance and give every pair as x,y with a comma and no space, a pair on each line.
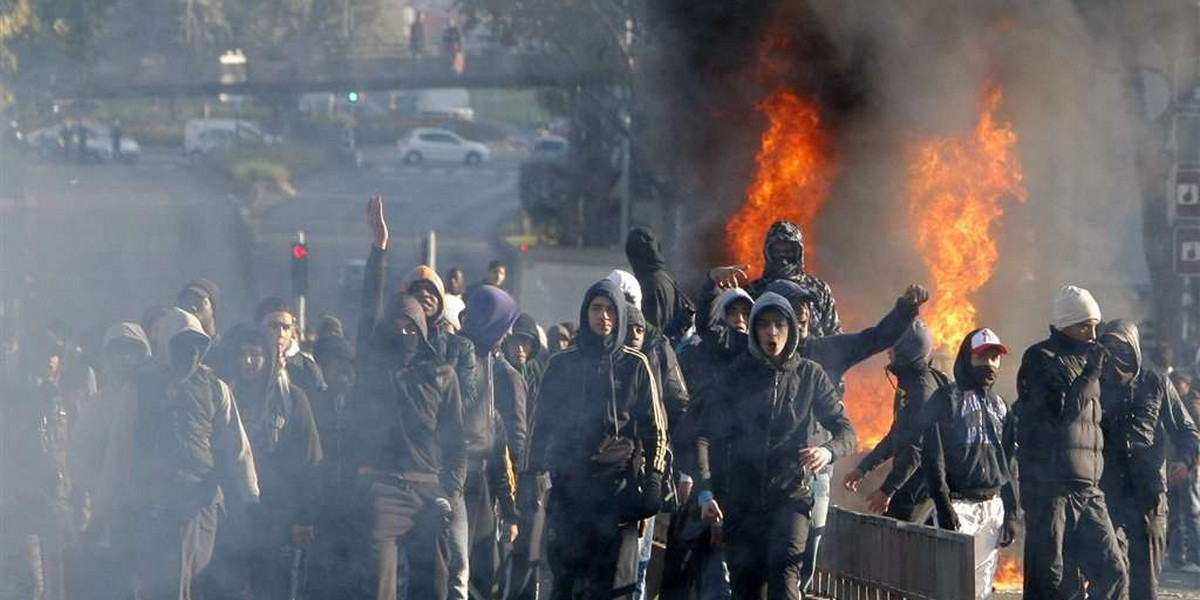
753,429
969,444
660,294
1140,417
599,408
825,316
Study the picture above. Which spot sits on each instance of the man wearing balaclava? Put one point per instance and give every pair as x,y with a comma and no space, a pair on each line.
600,442
784,253
1060,454
409,447
903,494
1146,426
967,454
191,454
664,305
758,455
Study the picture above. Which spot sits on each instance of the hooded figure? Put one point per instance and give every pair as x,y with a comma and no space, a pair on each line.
968,454
784,253
665,306
200,297
191,451
758,455
916,380
600,433
409,448
424,284
1144,417
1060,447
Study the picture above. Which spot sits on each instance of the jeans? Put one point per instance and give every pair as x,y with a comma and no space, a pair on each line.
1184,544
714,577
820,510
645,551
460,551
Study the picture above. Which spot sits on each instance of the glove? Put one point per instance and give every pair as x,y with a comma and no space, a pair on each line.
652,496
1011,529
1096,354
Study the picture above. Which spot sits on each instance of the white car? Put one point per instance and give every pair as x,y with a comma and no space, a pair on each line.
202,136
439,144
50,141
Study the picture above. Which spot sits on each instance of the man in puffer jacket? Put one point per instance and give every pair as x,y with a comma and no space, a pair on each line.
600,440
1060,454
758,457
1142,412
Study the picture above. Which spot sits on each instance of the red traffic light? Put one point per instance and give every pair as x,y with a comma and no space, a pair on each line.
299,251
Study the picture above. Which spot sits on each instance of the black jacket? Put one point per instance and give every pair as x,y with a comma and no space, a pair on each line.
759,420
825,319
458,352
407,418
660,293
1058,414
914,387
968,447
509,393
837,353
599,408
1140,418
673,387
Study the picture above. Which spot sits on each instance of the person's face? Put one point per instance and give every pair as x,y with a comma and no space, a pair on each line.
339,374
1083,332
497,275
53,367
198,304
737,316
637,336
406,327
990,358
427,297
561,342
1184,388
251,361
281,328
457,282
518,349
771,333
803,315
781,250
602,316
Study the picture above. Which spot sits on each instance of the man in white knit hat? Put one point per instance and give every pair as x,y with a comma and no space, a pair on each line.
1060,457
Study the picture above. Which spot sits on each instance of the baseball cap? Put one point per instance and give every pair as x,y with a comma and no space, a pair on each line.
986,339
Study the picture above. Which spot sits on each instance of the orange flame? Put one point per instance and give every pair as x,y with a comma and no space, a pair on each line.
795,172
956,188
869,404
1010,577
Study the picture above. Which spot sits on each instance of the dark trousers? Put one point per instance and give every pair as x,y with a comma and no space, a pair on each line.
911,503
765,549
403,517
172,552
481,528
528,552
1183,541
1141,526
1068,529
593,555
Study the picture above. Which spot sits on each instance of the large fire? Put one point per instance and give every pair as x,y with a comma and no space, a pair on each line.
956,189
795,171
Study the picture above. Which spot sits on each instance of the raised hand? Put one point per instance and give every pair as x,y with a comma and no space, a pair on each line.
379,228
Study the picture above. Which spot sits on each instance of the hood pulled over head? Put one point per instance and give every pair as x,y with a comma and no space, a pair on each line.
724,299
589,342
527,326
424,273
790,264
773,301
913,349
131,332
490,313
629,286
1123,342
643,251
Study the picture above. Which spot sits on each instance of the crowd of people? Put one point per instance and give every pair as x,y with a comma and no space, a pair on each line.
452,447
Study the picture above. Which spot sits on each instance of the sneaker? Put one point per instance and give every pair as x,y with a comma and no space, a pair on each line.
1192,568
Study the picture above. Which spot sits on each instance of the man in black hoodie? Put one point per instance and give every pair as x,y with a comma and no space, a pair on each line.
968,453
600,436
1060,453
758,457
663,303
1142,412
409,449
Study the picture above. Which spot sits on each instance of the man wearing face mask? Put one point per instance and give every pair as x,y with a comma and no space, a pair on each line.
968,452
600,440
758,455
1060,447
1142,413
409,447
784,253
903,494
191,453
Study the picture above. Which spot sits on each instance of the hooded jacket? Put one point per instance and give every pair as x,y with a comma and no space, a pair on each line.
453,349
599,419
968,447
659,290
1140,418
189,439
500,388
103,442
825,316
753,429
407,417
1058,413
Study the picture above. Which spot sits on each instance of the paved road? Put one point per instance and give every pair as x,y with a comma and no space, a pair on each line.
106,241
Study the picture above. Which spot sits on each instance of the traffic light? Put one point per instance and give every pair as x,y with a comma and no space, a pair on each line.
300,269
352,97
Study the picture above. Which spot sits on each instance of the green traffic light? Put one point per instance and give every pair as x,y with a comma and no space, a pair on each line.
352,97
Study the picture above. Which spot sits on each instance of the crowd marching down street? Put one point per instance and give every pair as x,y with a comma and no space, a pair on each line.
451,447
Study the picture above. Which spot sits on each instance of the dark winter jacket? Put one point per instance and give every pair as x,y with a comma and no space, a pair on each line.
491,314
599,408
303,371
660,293
452,348
968,447
1142,418
673,387
1058,414
825,316
759,420
189,439
407,418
